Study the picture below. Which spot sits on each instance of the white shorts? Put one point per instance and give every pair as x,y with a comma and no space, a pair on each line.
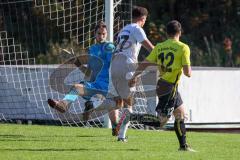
121,71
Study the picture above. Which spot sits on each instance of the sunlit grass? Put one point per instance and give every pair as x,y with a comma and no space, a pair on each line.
53,142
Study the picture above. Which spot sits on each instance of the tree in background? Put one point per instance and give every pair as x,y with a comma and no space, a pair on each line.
206,24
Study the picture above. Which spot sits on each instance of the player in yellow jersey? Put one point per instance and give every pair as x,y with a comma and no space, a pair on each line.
172,57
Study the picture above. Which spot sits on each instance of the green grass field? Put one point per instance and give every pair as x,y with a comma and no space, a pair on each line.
23,142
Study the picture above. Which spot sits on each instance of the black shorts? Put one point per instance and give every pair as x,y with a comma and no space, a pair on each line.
168,103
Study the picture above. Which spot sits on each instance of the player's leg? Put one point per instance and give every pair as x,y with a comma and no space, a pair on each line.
75,91
121,86
117,77
121,71
179,125
95,94
162,112
108,104
113,116
59,105
180,130
111,103
124,123
166,101
99,102
164,108
64,104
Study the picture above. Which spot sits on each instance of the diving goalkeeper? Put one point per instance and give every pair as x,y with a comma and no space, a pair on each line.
98,61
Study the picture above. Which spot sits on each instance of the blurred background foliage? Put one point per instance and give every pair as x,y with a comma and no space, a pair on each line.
41,31
211,28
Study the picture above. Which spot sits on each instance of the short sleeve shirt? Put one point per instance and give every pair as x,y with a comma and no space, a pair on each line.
170,56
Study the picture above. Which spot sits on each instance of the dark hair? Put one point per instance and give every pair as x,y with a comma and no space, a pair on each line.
138,12
173,27
100,24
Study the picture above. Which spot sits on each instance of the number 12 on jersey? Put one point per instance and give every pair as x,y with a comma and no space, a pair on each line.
166,61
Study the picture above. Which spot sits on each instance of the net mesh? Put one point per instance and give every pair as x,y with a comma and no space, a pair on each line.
32,35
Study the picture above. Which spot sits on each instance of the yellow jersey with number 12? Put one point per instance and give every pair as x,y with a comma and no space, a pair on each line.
170,56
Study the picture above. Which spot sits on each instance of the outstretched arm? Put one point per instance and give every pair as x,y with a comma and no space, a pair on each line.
141,67
147,45
80,62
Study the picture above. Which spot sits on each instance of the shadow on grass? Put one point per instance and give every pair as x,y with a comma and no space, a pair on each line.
22,138
11,136
68,150
46,136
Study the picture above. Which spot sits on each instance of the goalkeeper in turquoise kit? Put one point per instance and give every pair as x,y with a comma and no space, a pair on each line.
98,62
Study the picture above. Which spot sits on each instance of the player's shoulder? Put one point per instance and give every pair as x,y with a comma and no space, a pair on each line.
184,45
161,44
138,28
108,47
132,27
93,47
168,42
178,44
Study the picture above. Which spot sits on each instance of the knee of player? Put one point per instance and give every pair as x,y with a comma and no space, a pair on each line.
129,102
163,120
119,102
76,86
179,115
163,123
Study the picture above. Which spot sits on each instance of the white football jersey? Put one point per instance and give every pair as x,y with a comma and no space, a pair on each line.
129,41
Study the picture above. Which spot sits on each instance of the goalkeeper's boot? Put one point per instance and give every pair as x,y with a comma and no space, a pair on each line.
186,147
87,111
122,139
61,105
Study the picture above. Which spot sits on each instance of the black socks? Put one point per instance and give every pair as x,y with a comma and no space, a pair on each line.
180,130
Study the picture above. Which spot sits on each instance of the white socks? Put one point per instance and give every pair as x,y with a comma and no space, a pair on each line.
125,120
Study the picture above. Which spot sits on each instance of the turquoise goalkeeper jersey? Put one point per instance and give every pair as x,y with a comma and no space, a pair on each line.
99,63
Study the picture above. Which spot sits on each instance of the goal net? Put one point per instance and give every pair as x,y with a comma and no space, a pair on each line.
32,36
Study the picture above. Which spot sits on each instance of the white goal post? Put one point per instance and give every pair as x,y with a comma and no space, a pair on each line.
109,8
109,18
34,35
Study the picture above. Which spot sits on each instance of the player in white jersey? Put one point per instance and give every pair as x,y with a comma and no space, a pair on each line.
123,65
129,41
